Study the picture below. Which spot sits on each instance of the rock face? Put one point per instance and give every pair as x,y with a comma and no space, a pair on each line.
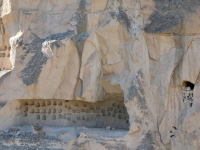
67,113
141,55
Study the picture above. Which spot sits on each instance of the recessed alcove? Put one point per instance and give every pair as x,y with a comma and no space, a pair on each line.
73,113
5,63
188,92
188,84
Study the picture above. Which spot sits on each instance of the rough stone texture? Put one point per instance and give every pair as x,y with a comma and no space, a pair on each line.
61,139
67,113
143,54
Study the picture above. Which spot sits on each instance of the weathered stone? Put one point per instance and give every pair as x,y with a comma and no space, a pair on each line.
128,64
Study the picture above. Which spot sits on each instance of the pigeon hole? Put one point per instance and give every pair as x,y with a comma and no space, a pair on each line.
74,113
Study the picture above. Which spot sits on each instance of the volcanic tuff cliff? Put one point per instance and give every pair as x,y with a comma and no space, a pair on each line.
128,66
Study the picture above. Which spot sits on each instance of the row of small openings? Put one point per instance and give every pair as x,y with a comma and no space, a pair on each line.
42,103
3,68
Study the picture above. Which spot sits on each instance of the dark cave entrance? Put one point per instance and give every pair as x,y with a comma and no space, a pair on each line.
188,84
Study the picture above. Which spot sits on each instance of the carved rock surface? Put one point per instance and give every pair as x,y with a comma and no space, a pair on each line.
134,64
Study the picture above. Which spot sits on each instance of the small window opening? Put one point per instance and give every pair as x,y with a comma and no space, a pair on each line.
188,84
188,93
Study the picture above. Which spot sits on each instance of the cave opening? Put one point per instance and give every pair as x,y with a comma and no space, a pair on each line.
188,84
188,92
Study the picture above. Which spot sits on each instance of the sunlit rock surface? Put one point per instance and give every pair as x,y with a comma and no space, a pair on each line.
135,63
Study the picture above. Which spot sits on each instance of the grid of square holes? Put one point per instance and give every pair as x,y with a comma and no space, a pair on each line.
100,114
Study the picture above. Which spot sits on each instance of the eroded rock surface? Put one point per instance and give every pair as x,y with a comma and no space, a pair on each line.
62,138
140,54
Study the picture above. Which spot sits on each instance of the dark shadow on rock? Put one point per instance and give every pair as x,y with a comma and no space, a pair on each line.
169,15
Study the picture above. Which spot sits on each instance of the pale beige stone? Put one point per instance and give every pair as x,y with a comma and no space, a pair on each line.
102,51
62,3
98,5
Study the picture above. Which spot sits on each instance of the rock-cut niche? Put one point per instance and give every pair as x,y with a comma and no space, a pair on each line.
188,92
5,63
73,113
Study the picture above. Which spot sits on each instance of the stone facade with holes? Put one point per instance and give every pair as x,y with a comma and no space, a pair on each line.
5,48
73,113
